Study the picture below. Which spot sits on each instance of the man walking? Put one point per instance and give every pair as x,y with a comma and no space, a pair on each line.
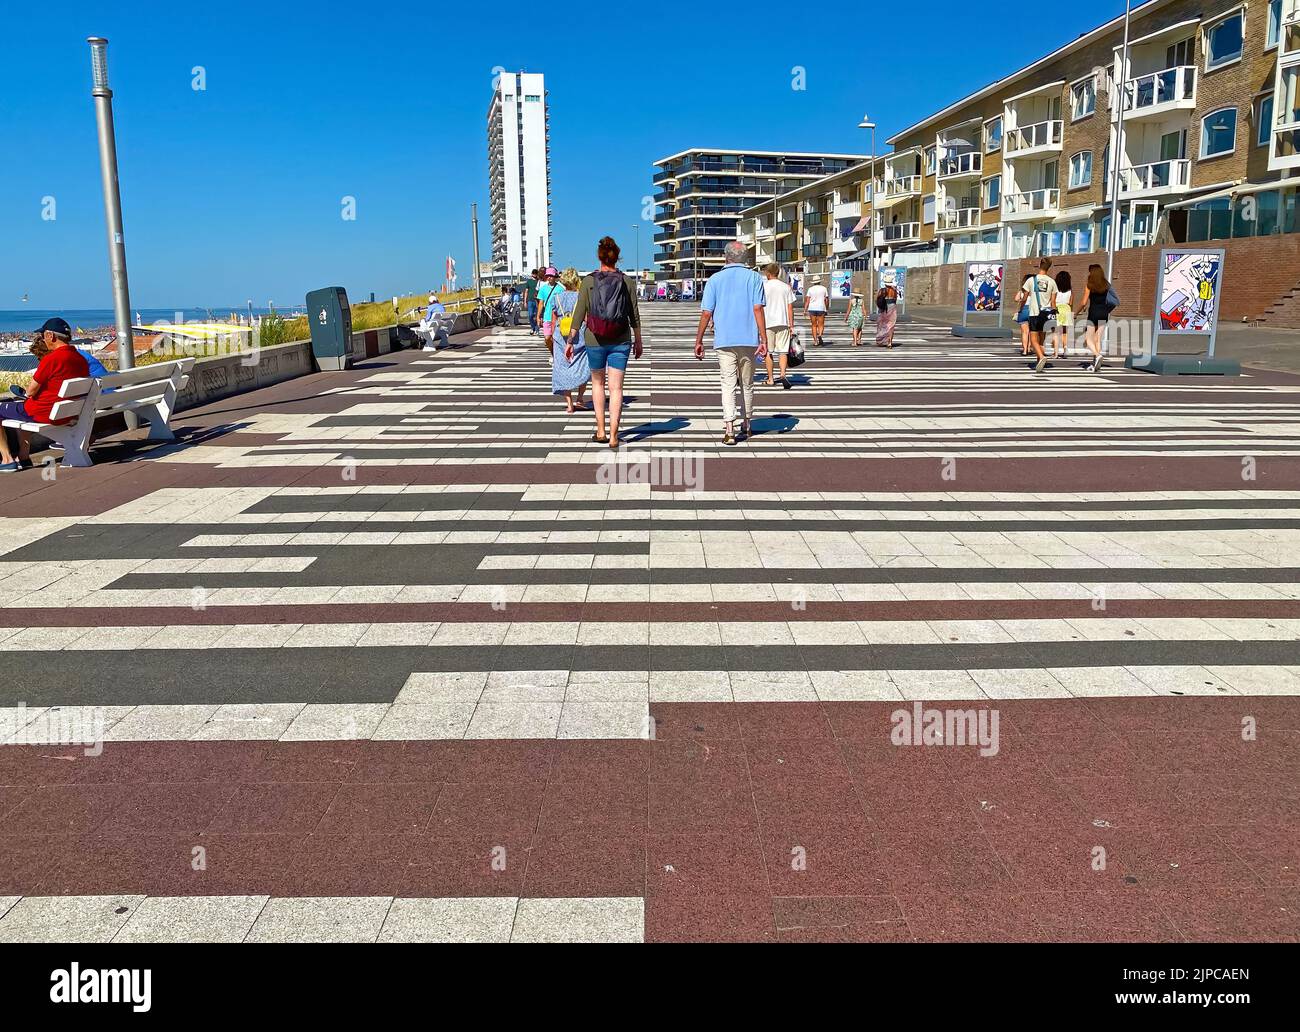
778,313
530,299
733,302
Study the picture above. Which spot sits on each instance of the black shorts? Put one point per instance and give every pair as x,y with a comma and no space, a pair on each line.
1098,314
1037,323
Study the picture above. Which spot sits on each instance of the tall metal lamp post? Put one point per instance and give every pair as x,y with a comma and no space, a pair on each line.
867,123
112,199
637,227
1117,152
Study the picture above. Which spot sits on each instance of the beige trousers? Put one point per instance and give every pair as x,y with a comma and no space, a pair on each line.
736,364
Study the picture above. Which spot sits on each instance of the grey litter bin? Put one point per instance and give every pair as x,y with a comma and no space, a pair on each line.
330,317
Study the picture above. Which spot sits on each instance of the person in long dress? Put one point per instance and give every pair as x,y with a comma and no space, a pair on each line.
886,315
567,375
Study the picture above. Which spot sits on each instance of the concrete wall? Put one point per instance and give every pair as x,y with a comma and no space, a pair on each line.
226,375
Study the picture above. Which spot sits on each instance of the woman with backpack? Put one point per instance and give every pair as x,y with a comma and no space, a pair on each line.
1099,299
606,316
567,373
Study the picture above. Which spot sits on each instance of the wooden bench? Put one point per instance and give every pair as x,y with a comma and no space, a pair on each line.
149,391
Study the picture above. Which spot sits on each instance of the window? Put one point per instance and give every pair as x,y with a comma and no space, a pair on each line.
1081,170
1274,24
1223,41
532,97
1264,121
1219,133
1083,98
927,210
992,189
993,135
929,161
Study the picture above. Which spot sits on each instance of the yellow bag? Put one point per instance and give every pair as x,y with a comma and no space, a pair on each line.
566,326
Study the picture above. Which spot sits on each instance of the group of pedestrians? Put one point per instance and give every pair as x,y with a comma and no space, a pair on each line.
1046,305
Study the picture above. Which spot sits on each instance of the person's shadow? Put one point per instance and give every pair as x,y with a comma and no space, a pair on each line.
655,429
780,423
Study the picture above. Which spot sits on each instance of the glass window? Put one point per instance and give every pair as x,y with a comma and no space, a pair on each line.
993,135
1083,98
992,191
927,210
929,161
1081,170
1274,23
1223,41
1210,220
1264,121
1219,133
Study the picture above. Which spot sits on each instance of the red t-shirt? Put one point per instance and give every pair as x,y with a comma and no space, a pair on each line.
65,363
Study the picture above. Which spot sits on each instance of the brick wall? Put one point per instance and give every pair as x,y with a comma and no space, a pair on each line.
1258,275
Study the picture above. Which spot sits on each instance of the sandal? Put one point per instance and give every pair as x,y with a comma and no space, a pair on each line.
600,440
728,438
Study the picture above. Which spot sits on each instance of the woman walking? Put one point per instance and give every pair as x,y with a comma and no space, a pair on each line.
855,318
1095,302
567,373
607,318
1064,316
547,292
886,315
816,303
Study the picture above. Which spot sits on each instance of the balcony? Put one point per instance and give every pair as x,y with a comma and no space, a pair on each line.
903,186
961,166
665,176
901,232
1155,179
1158,93
847,210
846,245
960,218
1031,204
665,195
814,218
1284,144
1039,138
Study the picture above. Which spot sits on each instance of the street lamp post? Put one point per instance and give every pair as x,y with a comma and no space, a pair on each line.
1117,151
112,199
637,227
866,123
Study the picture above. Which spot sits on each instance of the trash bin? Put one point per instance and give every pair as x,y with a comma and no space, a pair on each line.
330,317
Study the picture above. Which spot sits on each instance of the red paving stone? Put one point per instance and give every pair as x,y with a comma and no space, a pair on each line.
775,827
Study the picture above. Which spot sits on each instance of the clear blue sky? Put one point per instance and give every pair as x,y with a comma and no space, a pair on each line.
234,192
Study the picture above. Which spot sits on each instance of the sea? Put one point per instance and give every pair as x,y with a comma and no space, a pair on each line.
25,320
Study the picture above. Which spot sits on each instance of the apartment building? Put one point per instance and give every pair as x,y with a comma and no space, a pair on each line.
701,195
1210,95
519,173
815,227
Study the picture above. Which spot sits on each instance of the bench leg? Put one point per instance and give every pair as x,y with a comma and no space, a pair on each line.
158,415
75,447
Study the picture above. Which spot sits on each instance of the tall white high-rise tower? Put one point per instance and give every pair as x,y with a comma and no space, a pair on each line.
519,171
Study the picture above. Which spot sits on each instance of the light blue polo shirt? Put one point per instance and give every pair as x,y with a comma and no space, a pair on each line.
732,294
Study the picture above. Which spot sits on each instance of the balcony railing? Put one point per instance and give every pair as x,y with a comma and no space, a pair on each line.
902,231
969,164
1160,91
961,218
1031,202
814,218
848,210
902,186
1156,177
1038,136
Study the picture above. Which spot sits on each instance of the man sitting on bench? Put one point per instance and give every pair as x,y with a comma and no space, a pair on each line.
61,362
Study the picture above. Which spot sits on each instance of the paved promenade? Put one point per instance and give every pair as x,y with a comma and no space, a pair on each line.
385,654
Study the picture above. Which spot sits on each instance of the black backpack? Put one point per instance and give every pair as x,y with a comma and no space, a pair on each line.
610,313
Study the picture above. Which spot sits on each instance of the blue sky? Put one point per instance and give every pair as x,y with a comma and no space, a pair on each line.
234,192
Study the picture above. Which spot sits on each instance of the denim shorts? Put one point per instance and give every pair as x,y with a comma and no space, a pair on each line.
13,410
613,355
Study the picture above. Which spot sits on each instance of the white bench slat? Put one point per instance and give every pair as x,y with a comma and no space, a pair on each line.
66,409
158,371
77,387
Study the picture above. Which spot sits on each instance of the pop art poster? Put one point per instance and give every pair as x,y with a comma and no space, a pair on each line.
1189,291
688,290
840,284
983,286
896,278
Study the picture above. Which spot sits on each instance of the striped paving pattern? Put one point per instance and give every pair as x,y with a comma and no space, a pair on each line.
404,655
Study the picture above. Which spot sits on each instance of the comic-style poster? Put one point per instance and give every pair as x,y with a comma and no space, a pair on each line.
688,290
896,278
841,287
1189,291
983,286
